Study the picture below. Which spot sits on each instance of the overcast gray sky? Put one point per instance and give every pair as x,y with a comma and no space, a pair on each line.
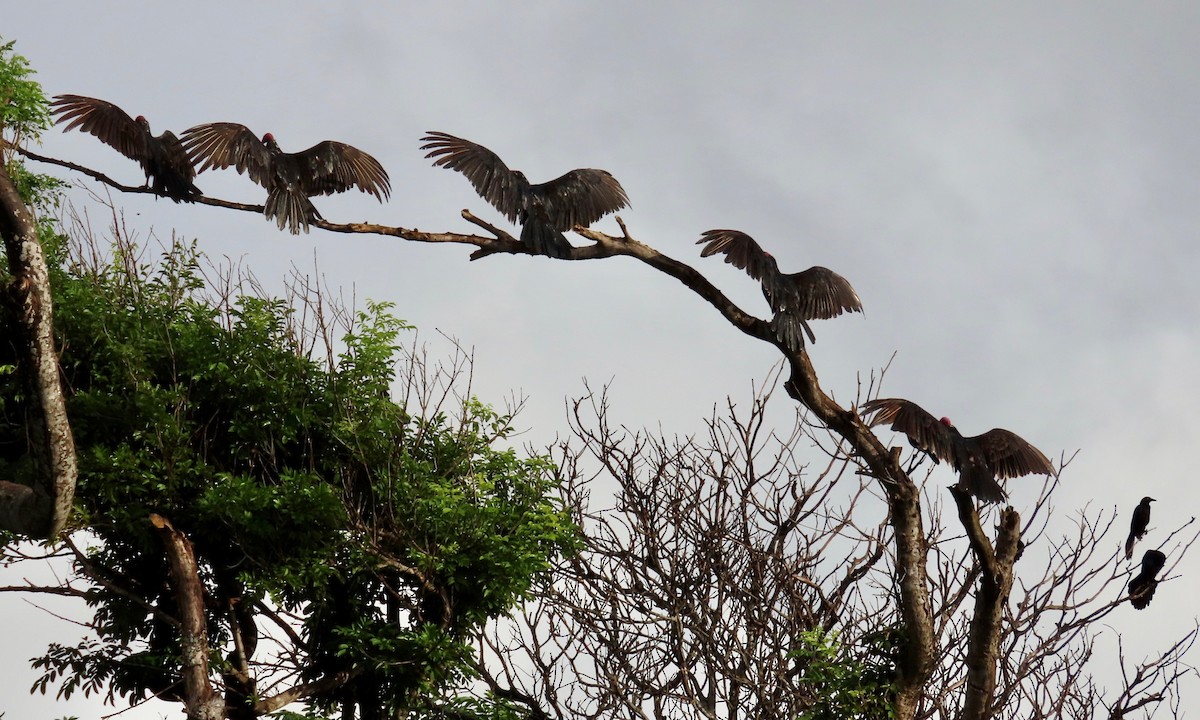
1012,189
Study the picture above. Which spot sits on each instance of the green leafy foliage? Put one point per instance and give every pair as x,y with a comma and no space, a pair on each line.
389,537
847,682
24,112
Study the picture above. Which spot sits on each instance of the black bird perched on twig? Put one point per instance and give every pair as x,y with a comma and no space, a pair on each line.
1142,587
1137,526
795,298
290,178
979,459
162,157
544,210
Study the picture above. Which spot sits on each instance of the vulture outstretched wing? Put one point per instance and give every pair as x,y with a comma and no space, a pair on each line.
580,197
743,253
487,173
106,121
1009,456
224,144
818,293
924,431
332,167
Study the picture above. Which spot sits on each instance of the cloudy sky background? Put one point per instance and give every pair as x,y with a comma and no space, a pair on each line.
1012,190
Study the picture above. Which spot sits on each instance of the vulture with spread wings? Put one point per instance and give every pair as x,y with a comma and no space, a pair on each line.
817,293
290,178
162,157
1142,587
979,459
545,210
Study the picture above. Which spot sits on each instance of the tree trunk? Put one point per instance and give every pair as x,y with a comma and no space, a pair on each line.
995,584
202,702
39,511
904,502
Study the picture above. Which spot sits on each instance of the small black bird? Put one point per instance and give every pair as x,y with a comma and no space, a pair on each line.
1137,527
1142,587
545,210
162,157
290,178
979,459
795,298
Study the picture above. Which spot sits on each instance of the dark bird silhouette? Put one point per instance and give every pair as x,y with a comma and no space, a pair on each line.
545,210
1142,587
290,178
1137,527
162,157
979,459
816,293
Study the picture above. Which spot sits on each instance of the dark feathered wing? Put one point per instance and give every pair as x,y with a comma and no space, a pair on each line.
162,158
743,253
580,197
333,167
484,169
924,431
1142,587
106,121
223,144
1009,456
816,293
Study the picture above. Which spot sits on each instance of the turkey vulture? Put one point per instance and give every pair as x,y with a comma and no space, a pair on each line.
162,157
816,293
545,210
290,178
1142,587
1137,527
979,459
